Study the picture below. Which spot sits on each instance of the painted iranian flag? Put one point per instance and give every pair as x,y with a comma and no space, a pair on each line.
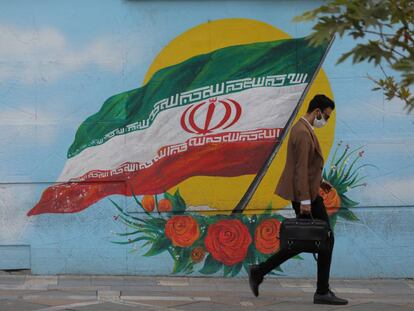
216,114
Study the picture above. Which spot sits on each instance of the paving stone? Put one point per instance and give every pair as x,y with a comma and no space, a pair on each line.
58,293
108,306
52,302
348,290
377,307
79,292
162,303
75,281
109,281
297,306
205,306
12,279
108,294
296,284
18,305
79,288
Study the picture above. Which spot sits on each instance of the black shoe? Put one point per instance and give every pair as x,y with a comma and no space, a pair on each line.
255,278
328,299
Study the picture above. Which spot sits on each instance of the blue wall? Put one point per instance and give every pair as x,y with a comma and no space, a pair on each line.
59,61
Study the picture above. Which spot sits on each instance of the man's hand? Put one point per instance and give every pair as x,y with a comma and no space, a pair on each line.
326,186
305,209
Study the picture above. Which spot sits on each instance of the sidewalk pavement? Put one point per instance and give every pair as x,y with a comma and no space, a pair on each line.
123,293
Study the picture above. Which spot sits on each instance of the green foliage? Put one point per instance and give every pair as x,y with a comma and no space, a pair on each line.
390,25
211,265
177,201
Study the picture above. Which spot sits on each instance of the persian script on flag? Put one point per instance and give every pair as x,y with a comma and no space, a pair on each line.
215,114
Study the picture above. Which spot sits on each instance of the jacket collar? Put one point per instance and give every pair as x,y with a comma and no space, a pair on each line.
313,135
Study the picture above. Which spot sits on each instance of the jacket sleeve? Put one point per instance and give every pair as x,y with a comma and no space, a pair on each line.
302,148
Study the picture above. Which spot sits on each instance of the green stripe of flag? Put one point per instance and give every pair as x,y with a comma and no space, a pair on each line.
230,63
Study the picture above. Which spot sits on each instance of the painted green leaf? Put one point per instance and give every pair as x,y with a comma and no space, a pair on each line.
142,238
211,265
128,233
189,268
181,206
332,221
211,220
227,270
178,203
179,265
236,269
347,214
158,222
246,266
158,247
347,202
278,217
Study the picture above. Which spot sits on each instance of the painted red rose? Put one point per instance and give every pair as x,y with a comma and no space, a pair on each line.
183,231
266,236
228,241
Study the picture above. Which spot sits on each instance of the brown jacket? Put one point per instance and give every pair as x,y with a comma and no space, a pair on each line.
302,175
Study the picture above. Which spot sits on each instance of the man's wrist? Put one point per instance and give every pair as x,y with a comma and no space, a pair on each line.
305,202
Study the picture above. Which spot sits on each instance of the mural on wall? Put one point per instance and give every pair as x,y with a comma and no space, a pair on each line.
194,135
209,244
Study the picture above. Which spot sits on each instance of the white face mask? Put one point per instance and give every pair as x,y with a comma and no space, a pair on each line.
318,123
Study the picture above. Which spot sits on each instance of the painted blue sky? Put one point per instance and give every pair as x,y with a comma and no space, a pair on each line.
58,63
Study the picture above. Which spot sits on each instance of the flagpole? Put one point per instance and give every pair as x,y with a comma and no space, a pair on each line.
263,170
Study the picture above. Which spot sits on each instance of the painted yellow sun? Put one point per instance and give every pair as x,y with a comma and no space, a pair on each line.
223,193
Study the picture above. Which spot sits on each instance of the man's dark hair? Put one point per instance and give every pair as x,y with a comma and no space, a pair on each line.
322,102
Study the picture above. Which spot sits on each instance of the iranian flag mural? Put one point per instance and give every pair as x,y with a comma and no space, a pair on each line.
216,114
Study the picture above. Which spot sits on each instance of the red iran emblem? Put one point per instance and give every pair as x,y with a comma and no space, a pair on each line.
199,120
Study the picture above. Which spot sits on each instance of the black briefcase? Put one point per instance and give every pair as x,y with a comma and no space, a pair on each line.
304,235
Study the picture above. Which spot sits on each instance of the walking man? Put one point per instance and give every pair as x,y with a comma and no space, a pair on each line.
300,183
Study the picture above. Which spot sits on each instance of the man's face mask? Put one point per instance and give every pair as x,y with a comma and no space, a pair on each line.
319,121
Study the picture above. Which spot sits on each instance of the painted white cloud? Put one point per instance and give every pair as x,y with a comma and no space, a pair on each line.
402,189
14,200
29,125
26,116
29,55
200,208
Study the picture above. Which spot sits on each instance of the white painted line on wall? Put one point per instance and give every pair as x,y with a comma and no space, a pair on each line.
33,282
308,289
348,290
201,298
341,290
143,305
410,284
72,305
108,294
166,298
246,303
63,296
173,283
293,284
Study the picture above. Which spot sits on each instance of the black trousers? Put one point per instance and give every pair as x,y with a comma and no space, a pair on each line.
324,258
